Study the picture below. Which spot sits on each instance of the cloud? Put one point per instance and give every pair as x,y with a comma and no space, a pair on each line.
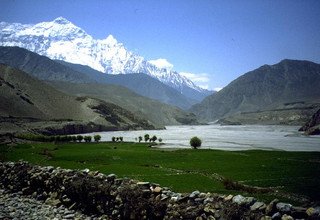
200,79
217,89
197,78
162,63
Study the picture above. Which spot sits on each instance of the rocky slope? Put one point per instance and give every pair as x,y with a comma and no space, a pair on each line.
312,127
29,105
62,40
109,197
290,84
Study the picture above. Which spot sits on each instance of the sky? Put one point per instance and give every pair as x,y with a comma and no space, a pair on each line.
212,42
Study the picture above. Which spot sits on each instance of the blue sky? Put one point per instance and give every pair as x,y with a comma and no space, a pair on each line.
213,41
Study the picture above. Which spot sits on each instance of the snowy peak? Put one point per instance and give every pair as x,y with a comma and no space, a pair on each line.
110,40
61,20
60,39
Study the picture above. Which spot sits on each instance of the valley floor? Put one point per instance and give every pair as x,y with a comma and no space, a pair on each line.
290,176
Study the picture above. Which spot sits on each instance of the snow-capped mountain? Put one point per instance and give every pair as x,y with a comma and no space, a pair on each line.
62,40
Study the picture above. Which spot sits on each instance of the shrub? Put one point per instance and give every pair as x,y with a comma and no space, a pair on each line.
79,138
113,139
140,139
74,138
195,142
154,138
87,138
97,138
121,139
160,140
146,137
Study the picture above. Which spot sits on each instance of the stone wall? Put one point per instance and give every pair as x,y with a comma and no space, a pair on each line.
109,197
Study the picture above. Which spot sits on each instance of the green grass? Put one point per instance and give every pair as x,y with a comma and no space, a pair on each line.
183,170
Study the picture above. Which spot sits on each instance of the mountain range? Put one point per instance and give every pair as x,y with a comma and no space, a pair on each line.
46,69
78,84
61,40
285,93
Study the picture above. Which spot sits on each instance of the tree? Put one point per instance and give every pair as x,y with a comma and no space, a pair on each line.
146,137
113,139
74,138
154,138
160,140
140,139
87,138
97,138
121,139
195,142
79,138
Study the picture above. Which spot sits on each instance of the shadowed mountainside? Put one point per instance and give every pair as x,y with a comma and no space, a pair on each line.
289,85
46,69
28,104
72,81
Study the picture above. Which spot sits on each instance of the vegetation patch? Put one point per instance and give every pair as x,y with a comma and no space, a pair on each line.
294,175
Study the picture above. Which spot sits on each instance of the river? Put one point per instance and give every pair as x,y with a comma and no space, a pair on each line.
239,137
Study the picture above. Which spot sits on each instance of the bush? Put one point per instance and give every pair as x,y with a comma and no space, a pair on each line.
195,142
87,138
97,138
113,139
146,137
79,138
140,139
154,138
160,140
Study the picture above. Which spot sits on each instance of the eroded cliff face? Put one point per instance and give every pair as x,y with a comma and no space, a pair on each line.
312,127
109,197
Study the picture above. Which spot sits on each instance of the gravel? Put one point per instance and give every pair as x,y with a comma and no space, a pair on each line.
18,206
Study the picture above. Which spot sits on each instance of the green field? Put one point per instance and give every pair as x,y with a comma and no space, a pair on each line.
291,173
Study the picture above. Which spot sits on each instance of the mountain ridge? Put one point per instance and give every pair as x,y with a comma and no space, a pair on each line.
62,40
268,87
77,82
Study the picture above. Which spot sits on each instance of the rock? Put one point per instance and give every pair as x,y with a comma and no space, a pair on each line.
313,211
256,205
286,217
86,170
208,200
157,189
194,194
284,207
228,198
266,217
276,216
240,200
271,207
69,216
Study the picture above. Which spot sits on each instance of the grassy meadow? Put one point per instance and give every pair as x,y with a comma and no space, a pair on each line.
292,175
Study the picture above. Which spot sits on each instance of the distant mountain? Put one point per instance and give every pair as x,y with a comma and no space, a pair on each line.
267,93
30,105
139,83
62,40
48,70
40,67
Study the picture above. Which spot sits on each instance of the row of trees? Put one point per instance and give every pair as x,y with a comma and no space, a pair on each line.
117,139
148,138
59,138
